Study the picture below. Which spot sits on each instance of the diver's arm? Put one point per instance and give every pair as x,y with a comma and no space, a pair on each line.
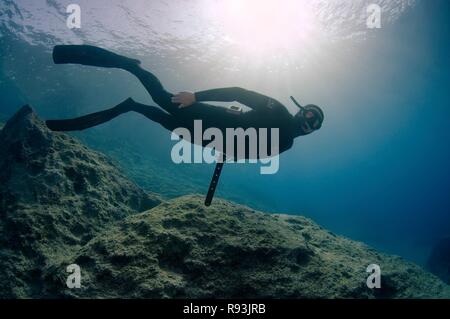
249,98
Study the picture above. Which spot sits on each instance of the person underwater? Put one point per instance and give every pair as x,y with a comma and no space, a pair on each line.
180,110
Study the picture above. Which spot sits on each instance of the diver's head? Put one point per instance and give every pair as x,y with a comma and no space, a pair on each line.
309,118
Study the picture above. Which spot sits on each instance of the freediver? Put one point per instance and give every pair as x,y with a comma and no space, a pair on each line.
184,107
180,110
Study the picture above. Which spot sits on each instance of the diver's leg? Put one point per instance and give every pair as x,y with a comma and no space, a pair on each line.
203,111
93,119
156,90
155,114
95,56
90,120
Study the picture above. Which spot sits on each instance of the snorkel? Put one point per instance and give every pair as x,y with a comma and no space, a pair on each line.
301,117
302,109
308,124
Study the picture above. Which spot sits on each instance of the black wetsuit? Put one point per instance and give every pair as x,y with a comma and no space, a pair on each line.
265,112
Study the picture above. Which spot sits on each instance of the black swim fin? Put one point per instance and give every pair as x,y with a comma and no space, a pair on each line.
91,55
90,120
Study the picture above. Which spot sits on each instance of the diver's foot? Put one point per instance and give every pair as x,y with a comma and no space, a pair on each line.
135,61
129,63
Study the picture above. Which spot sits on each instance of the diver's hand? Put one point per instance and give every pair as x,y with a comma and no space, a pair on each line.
185,99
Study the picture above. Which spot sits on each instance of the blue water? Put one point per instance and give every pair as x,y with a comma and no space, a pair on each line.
378,170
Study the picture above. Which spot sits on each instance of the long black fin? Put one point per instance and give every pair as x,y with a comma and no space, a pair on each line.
91,55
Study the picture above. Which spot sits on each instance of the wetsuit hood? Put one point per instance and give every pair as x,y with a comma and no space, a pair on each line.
303,121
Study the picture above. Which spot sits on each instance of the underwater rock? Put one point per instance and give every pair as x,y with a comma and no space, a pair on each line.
182,249
63,204
55,196
439,261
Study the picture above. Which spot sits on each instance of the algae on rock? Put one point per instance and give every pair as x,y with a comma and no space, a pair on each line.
55,196
62,204
181,249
